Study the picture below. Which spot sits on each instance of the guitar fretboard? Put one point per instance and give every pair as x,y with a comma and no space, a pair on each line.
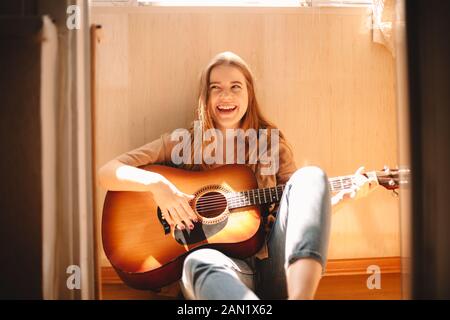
255,197
274,194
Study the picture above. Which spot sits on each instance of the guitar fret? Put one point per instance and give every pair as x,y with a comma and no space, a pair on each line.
244,198
341,183
232,202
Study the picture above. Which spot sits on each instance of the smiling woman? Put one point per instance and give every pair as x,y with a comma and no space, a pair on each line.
224,229
292,259
297,77
228,96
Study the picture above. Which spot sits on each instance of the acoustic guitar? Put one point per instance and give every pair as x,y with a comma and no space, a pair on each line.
147,253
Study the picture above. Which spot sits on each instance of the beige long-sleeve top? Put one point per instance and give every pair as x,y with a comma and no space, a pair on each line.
159,152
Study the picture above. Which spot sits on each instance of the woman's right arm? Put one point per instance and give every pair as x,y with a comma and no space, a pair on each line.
117,176
123,174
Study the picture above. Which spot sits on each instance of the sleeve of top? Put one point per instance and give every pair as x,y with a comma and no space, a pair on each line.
157,151
287,164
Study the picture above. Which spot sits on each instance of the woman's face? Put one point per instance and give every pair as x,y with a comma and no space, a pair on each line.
228,96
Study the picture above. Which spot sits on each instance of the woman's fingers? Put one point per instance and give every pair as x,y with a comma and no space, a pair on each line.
173,219
359,178
184,217
177,219
188,210
360,187
167,217
362,184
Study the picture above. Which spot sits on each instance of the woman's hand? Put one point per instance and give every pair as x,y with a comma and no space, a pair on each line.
362,187
174,205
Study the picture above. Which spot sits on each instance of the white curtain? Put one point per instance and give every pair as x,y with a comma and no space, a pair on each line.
383,21
68,233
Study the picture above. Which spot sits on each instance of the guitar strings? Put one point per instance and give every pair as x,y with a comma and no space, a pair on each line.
233,197
213,201
212,206
228,197
215,204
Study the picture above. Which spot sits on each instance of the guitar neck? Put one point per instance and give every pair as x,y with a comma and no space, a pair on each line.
255,197
274,194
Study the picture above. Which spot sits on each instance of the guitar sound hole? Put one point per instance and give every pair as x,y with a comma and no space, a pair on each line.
211,204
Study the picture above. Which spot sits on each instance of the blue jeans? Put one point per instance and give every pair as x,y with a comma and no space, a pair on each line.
301,230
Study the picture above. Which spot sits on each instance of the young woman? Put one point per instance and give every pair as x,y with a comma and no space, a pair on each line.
294,258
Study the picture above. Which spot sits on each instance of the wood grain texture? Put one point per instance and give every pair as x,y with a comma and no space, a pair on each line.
319,77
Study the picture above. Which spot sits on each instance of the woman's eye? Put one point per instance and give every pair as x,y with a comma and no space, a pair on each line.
235,87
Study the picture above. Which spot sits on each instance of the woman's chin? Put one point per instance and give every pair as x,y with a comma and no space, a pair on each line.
227,123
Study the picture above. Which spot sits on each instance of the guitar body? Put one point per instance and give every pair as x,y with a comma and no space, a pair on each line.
147,254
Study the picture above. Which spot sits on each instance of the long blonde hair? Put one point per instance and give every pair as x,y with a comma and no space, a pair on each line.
252,119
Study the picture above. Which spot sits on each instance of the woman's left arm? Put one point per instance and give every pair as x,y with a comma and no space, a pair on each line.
362,187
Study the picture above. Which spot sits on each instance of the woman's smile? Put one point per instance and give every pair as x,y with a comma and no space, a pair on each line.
228,96
226,109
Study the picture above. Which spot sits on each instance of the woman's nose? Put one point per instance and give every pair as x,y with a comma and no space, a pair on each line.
225,93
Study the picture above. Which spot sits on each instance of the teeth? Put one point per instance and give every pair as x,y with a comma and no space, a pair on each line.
226,107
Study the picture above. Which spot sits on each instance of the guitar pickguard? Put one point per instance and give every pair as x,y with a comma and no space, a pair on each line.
200,232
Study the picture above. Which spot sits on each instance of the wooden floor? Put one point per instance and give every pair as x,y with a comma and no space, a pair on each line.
330,288
344,280
354,288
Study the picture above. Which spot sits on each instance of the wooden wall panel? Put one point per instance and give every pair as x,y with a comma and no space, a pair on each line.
319,76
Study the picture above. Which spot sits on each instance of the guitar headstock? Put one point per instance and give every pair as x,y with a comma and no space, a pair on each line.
392,179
